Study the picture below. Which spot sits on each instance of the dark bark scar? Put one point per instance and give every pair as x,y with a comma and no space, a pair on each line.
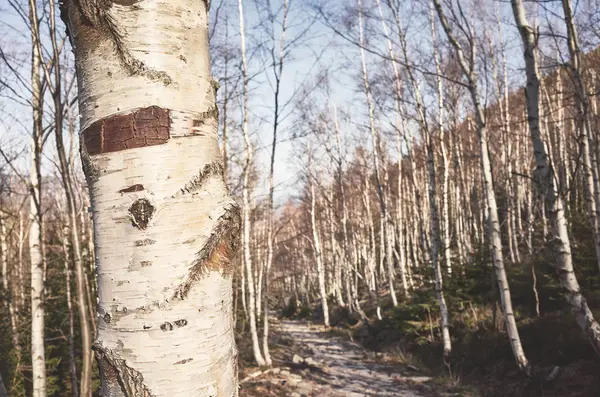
117,377
166,326
144,127
141,212
144,242
132,189
181,323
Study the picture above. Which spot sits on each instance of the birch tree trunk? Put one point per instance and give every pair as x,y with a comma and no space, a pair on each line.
36,239
435,243
277,71
65,173
445,230
350,261
247,257
435,220
71,337
318,254
165,226
493,222
547,182
8,290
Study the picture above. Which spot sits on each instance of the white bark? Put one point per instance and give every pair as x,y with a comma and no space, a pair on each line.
65,173
277,71
317,249
435,240
8,288
36,257
435,222
71,337
37,283
247,257
165,226
351,258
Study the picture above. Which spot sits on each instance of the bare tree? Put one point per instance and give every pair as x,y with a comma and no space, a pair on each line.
36,228
247,257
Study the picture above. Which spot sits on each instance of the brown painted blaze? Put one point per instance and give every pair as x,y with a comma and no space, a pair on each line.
144,127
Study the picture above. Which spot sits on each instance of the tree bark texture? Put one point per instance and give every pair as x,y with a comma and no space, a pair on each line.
165,225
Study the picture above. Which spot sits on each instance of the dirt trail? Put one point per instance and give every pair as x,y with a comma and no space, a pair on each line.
327,365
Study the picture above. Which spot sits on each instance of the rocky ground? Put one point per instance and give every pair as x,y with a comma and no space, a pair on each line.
312,361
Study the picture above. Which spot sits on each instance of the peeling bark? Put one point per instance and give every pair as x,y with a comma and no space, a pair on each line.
143,127
118,379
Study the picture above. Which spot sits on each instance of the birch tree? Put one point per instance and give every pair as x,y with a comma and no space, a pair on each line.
247,255
316,242
435,223
36,228
165,226
277,66
67,181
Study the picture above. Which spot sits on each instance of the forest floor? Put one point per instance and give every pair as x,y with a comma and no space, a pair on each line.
313,361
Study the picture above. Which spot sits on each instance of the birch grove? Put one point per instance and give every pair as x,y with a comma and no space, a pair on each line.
400,173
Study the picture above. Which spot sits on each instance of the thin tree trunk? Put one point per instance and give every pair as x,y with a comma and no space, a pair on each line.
433,207
351,259
247,255
8,290
71,337
435,239
445,232
277,71
36,239
80,278
318,254
159,201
